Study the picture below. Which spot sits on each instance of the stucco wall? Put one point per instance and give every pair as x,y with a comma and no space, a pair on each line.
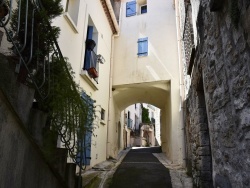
72,44
222,64
158,24
138,79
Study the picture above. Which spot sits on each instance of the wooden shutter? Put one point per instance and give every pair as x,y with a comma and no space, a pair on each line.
143,46
130,8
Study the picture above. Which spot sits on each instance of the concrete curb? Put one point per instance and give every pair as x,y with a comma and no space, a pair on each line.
100,174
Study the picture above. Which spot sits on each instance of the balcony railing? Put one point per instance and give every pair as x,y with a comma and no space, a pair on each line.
45,71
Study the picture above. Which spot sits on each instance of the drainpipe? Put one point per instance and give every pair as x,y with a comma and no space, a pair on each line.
182,88
111,12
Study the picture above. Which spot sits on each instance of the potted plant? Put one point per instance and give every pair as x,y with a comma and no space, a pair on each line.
92,72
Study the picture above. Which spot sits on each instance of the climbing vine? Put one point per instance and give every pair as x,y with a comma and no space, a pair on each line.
70,111
145,115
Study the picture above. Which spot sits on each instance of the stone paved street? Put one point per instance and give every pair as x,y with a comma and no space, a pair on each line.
148,167
140,168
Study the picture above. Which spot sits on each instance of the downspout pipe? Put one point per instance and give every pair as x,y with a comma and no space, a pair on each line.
182,88
116,34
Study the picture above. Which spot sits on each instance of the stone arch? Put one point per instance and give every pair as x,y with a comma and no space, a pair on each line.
157,93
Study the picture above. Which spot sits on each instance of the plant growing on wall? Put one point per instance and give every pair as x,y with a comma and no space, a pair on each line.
30,34
34,39
145,115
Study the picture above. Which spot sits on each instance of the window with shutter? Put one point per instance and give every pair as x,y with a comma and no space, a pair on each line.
84,141
87,60
143,46
130,8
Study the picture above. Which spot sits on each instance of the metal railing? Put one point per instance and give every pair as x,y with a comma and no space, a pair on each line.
26,51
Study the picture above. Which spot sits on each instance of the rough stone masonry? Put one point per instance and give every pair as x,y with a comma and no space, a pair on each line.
218,103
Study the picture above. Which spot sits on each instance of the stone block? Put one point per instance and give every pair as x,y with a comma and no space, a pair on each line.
36,123
200,100
202,127
206,184
222,181
205,163
206,175
60,160
204,138
205,150
70,174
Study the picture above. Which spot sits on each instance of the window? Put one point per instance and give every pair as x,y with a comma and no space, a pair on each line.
91,59
130,8
143,9
102,114
142,6
72,8
143,46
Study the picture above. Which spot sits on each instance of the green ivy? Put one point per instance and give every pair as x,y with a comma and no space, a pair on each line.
68,115
145,115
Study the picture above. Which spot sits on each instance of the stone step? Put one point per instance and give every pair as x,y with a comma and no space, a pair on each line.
20,96
71,174
60,160
36,123
78,182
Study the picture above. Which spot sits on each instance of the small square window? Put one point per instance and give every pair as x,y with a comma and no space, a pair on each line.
102,114
143,9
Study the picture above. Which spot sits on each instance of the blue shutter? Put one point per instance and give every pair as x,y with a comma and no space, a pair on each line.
88,52
130,8
143,46
85,140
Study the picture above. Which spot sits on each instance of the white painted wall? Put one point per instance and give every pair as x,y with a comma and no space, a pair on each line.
153,79
156,115
158,24
72,44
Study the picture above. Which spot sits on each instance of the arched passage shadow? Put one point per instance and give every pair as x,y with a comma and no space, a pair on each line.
155,93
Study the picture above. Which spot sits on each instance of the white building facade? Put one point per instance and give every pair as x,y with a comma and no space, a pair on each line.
146,69
83,22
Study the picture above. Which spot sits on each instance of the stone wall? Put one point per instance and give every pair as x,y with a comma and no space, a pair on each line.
23,164
218,104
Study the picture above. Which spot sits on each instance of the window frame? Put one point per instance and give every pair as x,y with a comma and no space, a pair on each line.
145,5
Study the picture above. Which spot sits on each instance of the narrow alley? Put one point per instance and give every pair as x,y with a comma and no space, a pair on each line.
124,93
140,168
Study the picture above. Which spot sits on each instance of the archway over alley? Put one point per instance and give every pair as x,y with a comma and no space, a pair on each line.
157,93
